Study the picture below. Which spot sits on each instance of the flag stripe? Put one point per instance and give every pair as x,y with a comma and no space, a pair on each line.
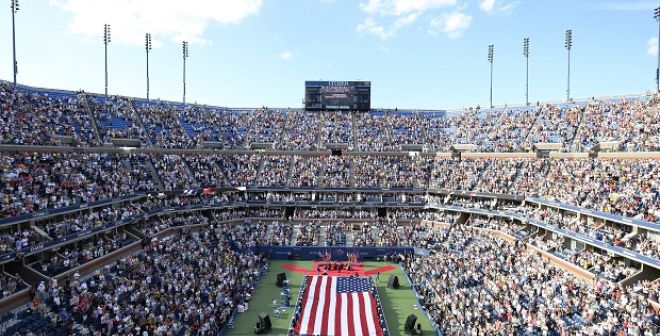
326,307
309,307
357,323
363,314
368,309
304,301
345,325
339,312
312,314
318,320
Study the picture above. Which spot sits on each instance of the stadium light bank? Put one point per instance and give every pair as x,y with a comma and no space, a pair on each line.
14,10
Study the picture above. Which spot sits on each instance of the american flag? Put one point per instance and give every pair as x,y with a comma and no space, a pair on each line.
338,306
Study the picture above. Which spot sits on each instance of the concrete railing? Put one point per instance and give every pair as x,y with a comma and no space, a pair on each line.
563,264
97,263
16,300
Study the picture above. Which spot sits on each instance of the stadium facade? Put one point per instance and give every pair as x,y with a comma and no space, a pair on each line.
88,179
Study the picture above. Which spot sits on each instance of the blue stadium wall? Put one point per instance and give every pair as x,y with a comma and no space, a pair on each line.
339,253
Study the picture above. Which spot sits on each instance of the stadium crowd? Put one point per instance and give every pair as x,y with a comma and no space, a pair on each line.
176,285
116,118
10,285
471,283
475,284
84,251
31,118
31,182
16,240
633,123
495,289
40,181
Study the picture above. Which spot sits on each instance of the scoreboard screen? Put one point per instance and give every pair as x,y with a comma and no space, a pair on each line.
337,96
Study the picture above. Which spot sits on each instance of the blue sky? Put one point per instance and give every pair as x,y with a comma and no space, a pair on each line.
417,53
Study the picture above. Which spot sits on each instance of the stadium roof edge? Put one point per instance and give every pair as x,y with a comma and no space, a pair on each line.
576,101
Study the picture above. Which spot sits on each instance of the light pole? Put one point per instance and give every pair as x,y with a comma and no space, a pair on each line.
147,47
656,15
14,9
568,44
526,54
491,50
185,57
106,40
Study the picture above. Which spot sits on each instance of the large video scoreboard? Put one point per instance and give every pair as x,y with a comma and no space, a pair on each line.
337,96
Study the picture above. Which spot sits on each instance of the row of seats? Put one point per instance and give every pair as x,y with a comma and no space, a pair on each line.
94,120
446,244
33,182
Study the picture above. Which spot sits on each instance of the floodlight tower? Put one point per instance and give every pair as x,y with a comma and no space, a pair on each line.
491,50
656,15
147,47
185,57
568,44
106,41
14,10
526,54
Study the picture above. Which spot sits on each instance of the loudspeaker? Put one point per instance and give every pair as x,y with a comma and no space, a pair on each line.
393,282
280,279
264,319
410,323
